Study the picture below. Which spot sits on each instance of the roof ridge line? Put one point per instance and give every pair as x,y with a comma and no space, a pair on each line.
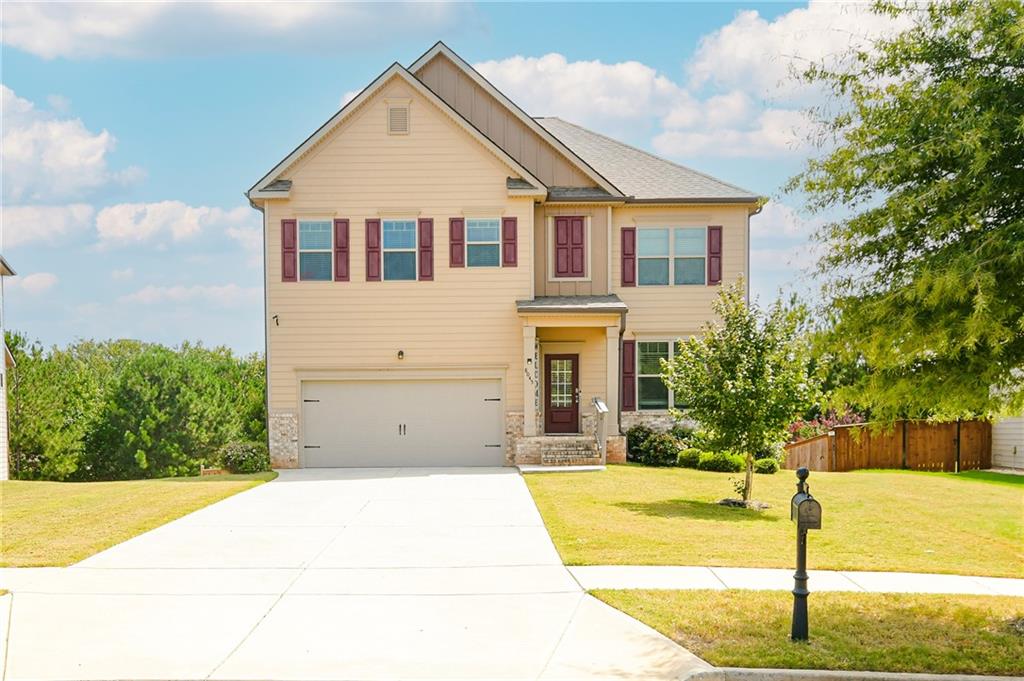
650,155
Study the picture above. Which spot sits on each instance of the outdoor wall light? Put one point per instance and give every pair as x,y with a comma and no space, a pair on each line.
401,354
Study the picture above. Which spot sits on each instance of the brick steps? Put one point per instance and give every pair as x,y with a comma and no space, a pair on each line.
551,450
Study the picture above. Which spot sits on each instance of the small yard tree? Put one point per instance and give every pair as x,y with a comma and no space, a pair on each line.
746,378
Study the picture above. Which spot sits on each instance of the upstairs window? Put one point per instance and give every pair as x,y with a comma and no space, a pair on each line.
671,255
483,242
399,244
690,249
315,250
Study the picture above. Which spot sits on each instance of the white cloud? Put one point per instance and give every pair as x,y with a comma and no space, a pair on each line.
251,241
772,132
779,220
122,275
49,159
585,92
47,224
98,29
226,295
758,56
34,284
128,223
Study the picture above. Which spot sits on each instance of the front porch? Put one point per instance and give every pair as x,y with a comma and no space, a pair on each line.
571,363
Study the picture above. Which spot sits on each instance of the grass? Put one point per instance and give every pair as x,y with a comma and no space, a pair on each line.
848,631
59,523
871,520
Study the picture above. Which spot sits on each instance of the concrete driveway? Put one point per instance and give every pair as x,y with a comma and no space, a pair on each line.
334,574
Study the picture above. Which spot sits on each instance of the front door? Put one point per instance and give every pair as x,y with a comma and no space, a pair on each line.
562,391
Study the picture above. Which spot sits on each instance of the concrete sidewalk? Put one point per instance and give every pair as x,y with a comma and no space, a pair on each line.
765,579
328,574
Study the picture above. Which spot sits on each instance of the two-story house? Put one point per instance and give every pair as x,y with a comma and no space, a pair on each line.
452,282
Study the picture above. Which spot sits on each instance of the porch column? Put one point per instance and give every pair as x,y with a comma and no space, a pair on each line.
531,374
611,420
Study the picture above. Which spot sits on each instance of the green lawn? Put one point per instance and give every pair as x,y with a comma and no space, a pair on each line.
871,520
59,523
848,631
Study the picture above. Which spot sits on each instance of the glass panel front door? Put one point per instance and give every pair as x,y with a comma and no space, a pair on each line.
561,387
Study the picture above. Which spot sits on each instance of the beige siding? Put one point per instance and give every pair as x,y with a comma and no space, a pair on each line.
597,244
674,311
1008,443
465,318
491,117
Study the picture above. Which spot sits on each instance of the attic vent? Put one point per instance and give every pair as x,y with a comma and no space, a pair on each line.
398,119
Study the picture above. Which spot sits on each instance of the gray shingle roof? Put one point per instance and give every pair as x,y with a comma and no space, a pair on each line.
278,186
638,173
610,303
579,194
517,183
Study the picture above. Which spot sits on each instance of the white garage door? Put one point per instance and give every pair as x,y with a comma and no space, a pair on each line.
402,423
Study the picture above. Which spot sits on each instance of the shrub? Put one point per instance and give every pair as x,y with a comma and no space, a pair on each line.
682,433
766,466
722,462
245,457
660,449
688,458
635,438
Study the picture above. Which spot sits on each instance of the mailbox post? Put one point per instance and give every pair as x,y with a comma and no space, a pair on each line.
805,511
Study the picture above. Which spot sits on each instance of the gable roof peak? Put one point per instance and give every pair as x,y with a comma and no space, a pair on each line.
440,48
271,186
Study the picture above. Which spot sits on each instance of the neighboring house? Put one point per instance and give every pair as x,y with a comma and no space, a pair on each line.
452,282
7,363
1008,443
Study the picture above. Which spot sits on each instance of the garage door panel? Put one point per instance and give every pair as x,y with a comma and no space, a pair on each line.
402,423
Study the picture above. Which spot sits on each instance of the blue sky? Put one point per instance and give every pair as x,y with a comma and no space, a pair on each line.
130,132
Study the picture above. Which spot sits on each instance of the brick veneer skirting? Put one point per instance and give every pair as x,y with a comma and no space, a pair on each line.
283,429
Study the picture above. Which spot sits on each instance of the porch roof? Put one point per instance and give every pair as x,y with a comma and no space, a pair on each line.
576,304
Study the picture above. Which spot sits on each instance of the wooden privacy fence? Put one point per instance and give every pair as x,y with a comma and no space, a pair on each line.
915,445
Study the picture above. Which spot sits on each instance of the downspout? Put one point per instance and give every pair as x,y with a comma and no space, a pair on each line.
618,401
750,214
266,326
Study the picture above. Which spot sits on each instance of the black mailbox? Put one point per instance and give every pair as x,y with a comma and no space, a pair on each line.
805,511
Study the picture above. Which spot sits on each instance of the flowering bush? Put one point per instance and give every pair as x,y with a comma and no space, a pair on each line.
802,430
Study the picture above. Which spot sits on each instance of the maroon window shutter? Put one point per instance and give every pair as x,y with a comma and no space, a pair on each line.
289,251
628,375
426,230
570,247
629,256
714,255
509,242
456,242
341,250
373,250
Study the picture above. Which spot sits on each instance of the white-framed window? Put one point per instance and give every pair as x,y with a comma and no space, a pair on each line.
316,250
671,255
651,393
483,242
399,249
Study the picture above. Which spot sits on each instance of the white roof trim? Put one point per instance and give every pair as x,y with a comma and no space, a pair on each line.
395,69
441,48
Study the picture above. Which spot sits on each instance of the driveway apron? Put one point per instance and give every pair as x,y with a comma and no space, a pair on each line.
334,574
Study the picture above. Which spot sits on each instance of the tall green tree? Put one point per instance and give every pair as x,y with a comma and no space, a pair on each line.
925,277
746,378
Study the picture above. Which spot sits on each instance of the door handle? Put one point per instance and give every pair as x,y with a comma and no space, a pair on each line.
576,395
